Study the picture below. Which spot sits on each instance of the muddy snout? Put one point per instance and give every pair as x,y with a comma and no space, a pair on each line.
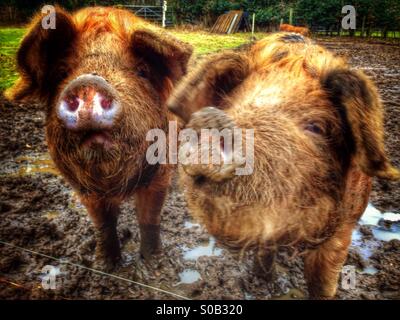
211,154
88,102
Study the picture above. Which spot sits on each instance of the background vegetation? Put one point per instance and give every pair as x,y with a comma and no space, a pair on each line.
9,41
202,42
372,15
374,18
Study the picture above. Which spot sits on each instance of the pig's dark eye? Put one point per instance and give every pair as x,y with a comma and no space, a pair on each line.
314,128
63,74
141,73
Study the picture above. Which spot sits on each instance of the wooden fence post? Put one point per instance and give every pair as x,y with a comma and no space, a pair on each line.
253,24
164,11
363,27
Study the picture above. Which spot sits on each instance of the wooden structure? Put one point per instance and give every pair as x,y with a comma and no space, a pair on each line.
230,22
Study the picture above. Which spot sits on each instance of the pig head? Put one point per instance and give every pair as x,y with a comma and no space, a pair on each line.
104,76
318,140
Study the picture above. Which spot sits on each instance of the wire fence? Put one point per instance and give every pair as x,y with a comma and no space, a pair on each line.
63,261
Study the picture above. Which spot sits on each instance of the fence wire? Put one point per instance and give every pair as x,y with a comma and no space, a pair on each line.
63,261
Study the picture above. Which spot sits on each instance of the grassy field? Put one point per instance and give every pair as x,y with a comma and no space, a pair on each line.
9,40
202,42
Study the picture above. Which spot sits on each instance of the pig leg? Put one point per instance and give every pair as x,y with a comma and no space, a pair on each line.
264,265
323,265
104,215
149,202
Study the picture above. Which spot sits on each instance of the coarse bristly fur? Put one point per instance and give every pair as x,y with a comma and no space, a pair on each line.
142,64
318,141
289,28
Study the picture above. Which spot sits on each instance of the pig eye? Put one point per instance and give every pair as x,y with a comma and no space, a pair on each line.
141,73
314,128
63,74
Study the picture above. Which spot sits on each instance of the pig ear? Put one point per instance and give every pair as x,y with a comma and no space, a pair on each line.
165,54
40,55
208,84
359,103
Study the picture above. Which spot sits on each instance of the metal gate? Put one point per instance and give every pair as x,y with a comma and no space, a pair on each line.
156,14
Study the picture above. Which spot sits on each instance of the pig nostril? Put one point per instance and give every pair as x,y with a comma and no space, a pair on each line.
106,103
72,103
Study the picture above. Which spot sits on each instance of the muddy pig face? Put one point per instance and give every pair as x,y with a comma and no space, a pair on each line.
313,119
105,77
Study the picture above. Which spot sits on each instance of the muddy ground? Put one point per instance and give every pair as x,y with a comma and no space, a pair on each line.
40,212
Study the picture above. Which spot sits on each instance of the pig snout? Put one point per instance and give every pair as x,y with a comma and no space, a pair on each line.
88,102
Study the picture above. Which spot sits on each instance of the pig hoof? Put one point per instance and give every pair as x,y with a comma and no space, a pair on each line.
150,241
267,275
108,251
106,265
150,253
265,268
107,261
150,258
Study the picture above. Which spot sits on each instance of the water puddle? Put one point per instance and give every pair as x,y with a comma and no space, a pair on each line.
387,235
33,165
365,248
51,215
374,68
385,227
292,294
248,296
369,270
189,276
208,250
75,204
189,225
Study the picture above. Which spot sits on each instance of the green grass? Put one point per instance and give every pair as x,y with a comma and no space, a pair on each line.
9,41
202,42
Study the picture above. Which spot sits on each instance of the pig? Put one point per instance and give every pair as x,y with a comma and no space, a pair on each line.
103,77
318,141
289,28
